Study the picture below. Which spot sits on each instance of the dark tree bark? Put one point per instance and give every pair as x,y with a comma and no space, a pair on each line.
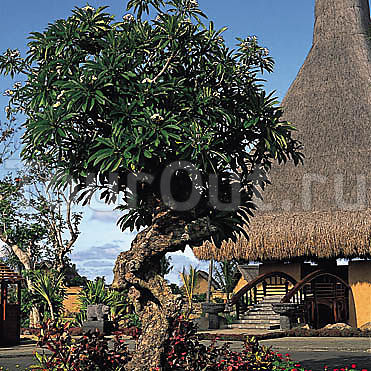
139,271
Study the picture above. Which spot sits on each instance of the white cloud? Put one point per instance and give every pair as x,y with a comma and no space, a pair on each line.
180,260
99,260
105,216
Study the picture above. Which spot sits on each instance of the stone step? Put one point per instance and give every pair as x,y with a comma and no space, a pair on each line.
272,299
258,321
262,305
266,311
265,308
259,316
249,326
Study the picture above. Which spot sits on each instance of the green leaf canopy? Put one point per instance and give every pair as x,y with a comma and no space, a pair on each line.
135,96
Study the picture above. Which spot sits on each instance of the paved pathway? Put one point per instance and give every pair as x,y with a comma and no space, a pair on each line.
312,353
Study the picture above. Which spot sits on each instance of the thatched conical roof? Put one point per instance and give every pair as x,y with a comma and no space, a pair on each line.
321,209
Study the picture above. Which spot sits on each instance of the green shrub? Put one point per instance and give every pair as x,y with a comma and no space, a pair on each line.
47,296
96,292
185,352
199,298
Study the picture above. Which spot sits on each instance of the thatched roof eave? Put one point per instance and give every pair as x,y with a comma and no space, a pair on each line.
310,235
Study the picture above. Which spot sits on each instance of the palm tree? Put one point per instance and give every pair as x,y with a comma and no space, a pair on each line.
225,275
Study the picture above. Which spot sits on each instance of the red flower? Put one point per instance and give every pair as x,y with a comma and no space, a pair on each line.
354,366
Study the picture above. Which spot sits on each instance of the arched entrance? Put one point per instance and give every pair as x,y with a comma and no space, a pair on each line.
325,297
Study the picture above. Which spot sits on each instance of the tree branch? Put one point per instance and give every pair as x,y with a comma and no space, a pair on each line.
163,69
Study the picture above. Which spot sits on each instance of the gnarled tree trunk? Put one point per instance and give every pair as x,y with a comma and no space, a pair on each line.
138,270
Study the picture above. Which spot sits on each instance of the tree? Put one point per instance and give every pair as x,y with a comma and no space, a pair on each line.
226,273
164,112
7,144
9,140
36,224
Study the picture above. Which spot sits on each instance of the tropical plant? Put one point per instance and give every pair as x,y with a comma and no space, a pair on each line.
46,294
189,280
160,109
50,286
226,275
28,301
199,298
90,352
96,292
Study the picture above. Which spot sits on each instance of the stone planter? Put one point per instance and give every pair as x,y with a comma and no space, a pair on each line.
289,313
213,309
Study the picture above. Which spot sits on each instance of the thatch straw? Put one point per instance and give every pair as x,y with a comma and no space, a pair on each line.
322,209
287,236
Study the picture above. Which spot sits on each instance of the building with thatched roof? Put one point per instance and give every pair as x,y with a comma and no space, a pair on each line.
321,211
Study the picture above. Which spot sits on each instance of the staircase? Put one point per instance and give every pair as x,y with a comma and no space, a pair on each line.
261,316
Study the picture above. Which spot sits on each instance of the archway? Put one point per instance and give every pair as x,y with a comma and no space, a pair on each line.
325,297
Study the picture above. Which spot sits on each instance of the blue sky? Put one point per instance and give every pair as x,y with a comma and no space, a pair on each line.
284,27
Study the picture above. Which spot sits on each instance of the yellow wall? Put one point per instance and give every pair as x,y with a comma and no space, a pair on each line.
360,300
201,286
71,303
292,269
241,283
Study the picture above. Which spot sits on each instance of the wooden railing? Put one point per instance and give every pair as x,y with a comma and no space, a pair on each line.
320,288
267,284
